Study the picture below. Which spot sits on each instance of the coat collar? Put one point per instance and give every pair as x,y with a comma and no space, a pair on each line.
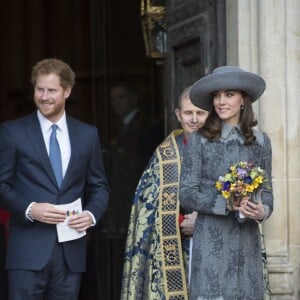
229,131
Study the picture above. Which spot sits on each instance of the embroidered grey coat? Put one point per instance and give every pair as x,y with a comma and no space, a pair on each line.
227,262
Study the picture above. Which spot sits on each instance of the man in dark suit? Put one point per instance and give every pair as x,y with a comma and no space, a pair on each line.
40,267
134,138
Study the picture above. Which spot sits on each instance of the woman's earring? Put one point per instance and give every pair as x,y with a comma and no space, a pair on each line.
242,107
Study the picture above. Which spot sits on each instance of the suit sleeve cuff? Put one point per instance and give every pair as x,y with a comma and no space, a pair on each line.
93,218
28,215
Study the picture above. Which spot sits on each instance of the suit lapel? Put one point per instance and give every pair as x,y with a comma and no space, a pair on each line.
75,145
35,136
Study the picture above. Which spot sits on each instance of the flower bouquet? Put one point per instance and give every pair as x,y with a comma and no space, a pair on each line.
242,180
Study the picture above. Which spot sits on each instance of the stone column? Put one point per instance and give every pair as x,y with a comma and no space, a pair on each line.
263,36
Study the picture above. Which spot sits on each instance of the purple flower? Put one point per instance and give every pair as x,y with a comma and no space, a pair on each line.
248,180
241,172
226,186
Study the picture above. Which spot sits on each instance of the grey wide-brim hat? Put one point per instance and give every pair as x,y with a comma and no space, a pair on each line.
226,78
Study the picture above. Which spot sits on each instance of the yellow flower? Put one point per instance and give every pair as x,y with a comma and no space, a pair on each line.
219,185
259,179
226,194
249,188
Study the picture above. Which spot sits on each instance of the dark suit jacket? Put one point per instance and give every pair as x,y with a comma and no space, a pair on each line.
26,175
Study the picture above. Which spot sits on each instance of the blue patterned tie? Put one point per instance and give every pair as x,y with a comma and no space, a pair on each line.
55,156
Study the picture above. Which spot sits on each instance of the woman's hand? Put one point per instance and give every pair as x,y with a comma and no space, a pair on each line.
188,224
251,210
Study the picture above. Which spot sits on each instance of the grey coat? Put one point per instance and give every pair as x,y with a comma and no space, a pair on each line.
227,261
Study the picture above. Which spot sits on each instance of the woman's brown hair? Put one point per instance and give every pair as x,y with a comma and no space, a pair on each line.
213,125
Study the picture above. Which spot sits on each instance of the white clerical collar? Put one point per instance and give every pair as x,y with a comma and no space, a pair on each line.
127,119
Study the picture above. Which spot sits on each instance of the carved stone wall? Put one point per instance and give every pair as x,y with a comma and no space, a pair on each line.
263,36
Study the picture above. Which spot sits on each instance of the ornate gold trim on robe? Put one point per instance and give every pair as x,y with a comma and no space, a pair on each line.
154,266
171,247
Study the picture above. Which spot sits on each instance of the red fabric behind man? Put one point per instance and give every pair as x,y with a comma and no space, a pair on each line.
4,218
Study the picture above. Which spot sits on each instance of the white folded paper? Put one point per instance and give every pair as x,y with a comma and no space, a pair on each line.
64,231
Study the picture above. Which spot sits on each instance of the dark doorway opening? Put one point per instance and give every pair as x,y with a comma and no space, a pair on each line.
103,43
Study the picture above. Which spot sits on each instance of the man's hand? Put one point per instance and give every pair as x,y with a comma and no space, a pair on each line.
47,213
188,224
81,221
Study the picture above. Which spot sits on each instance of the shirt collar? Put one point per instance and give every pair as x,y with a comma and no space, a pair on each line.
46,124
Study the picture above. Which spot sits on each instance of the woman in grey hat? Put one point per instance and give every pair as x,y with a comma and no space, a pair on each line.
226,263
